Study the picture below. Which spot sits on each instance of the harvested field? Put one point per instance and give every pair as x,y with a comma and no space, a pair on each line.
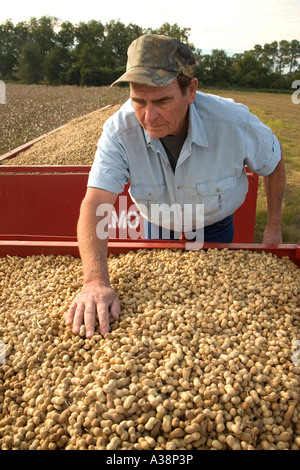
74,144
33,110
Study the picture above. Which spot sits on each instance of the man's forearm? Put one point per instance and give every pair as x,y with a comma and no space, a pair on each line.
97,298
275,188
93,249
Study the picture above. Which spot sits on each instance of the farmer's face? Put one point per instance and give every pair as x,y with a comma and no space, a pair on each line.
162,111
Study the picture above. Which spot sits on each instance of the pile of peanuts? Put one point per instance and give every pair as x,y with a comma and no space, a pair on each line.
74,144
202,357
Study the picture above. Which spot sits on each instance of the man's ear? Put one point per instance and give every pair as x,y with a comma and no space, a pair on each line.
192,90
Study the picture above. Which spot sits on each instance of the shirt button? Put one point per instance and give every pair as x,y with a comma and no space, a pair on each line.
178,187
218,190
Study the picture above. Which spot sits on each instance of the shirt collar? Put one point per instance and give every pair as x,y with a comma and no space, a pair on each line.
196,133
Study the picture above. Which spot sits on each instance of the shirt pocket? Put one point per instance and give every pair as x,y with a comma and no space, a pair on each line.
214,194
144,195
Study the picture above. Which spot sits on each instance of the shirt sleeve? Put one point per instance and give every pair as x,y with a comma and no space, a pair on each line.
263,150
110,169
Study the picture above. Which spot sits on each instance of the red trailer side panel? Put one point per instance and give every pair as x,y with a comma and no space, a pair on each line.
44,202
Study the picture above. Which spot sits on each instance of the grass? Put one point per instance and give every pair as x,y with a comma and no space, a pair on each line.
32,110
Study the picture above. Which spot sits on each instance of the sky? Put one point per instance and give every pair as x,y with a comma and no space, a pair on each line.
232,25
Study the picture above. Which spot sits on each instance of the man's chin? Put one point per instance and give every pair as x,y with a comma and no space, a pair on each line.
157,133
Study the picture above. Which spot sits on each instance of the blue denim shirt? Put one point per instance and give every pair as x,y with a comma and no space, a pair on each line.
223,137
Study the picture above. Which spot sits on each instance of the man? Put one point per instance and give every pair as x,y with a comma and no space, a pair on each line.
176,146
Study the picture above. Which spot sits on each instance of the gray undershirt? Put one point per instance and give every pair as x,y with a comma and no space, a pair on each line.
173,145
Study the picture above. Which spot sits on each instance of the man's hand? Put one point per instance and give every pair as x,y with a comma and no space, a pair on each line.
93,300
272,236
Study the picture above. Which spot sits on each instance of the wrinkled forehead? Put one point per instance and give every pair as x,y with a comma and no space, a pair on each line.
139,89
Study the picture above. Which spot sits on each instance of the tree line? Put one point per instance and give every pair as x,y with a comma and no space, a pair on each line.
47,50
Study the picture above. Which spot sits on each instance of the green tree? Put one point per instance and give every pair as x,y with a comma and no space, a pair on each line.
118,38
269,56
294,54
56,62
42,32
248,71
173,30
31,63
12,39
87,58
65,36
87,53
59,60
217,68
283,55
91,33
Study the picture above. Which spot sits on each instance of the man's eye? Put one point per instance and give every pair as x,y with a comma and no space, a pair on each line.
166,101
139,103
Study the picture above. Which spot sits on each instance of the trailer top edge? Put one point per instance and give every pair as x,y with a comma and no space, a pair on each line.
35,247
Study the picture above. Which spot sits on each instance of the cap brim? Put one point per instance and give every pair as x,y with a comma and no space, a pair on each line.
147,76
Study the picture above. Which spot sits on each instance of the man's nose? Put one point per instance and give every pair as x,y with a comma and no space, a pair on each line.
151,113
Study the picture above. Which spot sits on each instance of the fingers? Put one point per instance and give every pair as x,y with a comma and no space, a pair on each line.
103,314
102,311
79,314
75,316
83,311
70,314
115,308
89,319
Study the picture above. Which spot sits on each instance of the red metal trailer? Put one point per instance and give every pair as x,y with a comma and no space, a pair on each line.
43,202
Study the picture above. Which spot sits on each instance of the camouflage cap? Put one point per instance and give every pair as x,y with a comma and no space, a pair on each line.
156,60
